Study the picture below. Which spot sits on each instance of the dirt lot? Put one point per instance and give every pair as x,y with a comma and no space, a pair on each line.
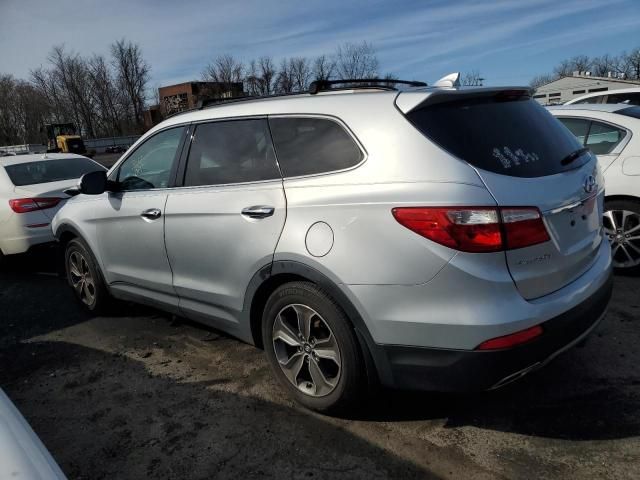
135,396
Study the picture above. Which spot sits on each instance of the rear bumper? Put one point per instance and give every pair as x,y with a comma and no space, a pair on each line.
440,369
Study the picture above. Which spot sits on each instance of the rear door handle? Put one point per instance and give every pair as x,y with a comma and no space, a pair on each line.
258,211
151,214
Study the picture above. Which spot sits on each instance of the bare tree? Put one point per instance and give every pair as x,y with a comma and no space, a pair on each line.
602,65
70,73
23,111
632,61
132,73
108,98
261,77
323,68
356,61
301,73
472,79
226,71
284,77
579,63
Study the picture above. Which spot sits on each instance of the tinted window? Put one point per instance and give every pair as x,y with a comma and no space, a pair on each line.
603,138
312,145
628,98
231,152
578,126
151,164
595,99
503,133
630,112
45,171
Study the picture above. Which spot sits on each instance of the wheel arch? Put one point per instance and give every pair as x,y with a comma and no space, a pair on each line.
612,198
264,283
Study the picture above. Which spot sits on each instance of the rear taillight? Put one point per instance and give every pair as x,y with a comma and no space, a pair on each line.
25,205
511,340
475,229
523,227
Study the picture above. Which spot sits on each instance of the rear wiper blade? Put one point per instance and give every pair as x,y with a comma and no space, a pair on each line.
573,155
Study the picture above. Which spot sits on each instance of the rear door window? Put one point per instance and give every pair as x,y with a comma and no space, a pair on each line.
236,151
307,146
603,138
506,133
578,126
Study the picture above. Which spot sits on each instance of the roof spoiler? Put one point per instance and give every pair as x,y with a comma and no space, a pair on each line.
408,101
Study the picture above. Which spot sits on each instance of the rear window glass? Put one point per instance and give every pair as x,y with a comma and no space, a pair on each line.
231,152
507,134
307,146
46,171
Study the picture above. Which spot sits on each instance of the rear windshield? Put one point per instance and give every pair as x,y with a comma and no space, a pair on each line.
510,134
46,171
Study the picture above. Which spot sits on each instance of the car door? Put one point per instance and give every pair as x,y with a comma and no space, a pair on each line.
130,221
223,224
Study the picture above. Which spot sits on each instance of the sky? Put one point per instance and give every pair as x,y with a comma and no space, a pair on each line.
507,41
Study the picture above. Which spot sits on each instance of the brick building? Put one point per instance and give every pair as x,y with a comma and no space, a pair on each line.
176,98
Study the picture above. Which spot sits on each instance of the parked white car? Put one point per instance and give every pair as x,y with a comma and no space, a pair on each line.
612,132
628,96
22,454
31,192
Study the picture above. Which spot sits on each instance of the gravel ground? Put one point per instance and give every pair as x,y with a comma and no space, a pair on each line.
136,395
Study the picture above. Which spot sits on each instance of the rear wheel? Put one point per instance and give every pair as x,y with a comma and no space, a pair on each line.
312,348
622,227
84,276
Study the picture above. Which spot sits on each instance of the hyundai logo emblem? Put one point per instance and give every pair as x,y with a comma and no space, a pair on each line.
590,184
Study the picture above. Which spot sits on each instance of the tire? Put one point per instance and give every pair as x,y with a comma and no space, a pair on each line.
82,269
624,235
341,388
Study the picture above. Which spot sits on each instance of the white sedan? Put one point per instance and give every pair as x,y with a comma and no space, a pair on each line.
31,192
22,454
612,132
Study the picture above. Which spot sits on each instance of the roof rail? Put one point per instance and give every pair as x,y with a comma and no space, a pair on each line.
386,83
214,102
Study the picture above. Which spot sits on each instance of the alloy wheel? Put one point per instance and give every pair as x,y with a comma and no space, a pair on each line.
306,350
81,278
622,227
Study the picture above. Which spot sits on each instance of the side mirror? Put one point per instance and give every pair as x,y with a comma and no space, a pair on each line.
93,183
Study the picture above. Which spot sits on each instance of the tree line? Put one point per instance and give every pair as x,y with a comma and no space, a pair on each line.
265,76
625,65
103,96
106,95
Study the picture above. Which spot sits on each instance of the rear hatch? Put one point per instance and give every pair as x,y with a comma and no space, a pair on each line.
526,158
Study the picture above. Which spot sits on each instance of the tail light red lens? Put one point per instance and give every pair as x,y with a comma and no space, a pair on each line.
523,227
25,205
465,229
475,229
511,340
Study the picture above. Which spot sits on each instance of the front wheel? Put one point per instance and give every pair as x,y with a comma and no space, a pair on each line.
84,276
622,227
312,348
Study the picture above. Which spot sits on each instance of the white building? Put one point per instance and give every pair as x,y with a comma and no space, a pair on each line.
567,88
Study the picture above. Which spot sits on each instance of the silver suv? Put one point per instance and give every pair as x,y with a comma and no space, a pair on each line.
432,238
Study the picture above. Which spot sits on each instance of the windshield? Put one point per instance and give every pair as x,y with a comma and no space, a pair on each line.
46,171
507,134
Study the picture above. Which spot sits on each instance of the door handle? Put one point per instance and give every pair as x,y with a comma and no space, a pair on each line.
258,211
151,214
